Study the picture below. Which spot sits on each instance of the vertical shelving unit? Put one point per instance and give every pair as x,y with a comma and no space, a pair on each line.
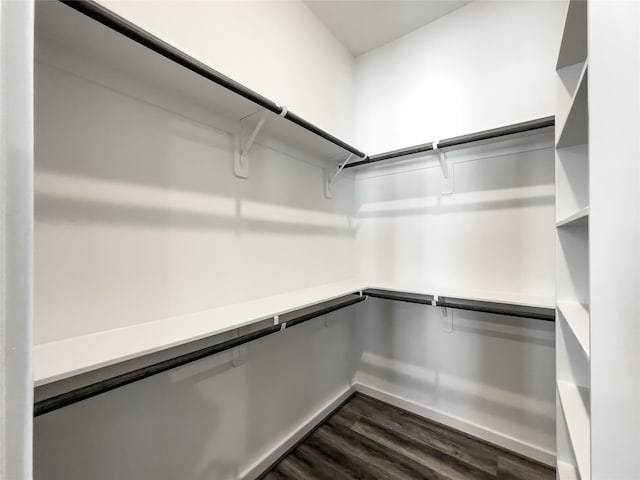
572,249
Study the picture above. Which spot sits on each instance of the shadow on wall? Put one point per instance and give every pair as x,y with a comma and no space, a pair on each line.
207,420
516,180
494,371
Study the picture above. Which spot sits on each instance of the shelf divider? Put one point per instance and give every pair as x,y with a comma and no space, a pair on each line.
576,219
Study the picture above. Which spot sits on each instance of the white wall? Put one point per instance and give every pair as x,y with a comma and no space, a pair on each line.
494,237
138,215
488,64
278,48
485,65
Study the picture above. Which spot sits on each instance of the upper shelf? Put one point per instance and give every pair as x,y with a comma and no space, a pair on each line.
416,151
573,47
94,33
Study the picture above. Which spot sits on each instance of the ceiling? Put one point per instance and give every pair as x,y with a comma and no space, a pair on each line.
362,25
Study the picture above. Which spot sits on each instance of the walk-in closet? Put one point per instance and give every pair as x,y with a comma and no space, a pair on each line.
315,239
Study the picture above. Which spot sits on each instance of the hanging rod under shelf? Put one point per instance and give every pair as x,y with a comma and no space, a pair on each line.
497,308
499,132
291,319
109,19
102,386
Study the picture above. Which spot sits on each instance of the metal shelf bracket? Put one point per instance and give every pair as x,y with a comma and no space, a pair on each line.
241,154
239,354
446,181
330,178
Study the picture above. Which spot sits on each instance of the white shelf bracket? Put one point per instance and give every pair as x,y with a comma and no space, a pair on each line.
241,157
330,178
240,354
447,180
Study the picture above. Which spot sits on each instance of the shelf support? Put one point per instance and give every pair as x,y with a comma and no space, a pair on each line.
330,179
239,354
446,181
241,158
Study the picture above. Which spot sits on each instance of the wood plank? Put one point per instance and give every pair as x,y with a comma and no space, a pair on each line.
454,444
370,440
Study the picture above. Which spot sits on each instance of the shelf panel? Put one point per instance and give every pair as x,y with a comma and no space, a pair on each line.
573,46
577,317
66,358
575,405
575,129
577,219
163,67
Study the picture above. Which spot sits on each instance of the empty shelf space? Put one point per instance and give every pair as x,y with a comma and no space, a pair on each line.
575,405
576,219
66,358
575,128
573,46
577,317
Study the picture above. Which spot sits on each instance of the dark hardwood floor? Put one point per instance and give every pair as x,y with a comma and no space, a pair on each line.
369,439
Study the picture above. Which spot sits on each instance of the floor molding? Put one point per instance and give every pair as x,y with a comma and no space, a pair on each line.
483,433
262,466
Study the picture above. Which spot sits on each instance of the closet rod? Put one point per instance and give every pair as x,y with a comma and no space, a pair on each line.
497,308
291,319
531,125
82,393
113,21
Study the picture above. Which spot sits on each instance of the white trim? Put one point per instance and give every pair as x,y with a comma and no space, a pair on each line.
16,238
515,445
260,466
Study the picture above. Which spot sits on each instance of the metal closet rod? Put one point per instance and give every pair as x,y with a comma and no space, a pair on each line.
528,126
82,393
109,19
291,319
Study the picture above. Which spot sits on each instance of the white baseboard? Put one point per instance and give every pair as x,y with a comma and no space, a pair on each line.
492,436
531,451
259,467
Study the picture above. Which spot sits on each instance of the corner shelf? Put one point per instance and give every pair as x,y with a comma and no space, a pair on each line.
576,219
577,317
574,130
575,405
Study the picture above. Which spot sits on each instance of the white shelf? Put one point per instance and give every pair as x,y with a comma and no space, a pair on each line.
576,219
93,46
493,296
575,128
577,317
573,47
66,358
566,471
575,405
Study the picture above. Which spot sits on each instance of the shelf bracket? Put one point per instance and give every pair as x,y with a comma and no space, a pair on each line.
329,178
447,180
240,354
241,157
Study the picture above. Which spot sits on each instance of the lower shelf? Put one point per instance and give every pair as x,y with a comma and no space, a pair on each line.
575,405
